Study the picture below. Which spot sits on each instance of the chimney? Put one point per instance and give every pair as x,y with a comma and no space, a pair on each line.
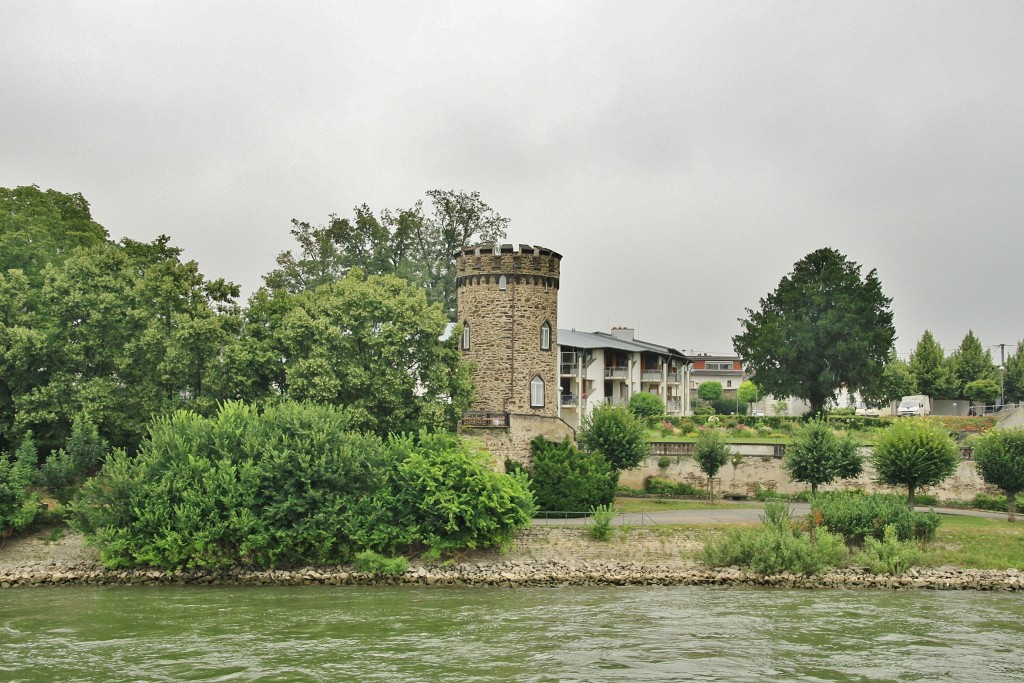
623,333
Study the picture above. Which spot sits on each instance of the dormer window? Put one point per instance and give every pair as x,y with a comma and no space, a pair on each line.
545,336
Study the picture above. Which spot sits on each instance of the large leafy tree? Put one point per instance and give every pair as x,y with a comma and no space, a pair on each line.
824,327
930,369
969,363
819,456
999,455
406,242
897,381
369,342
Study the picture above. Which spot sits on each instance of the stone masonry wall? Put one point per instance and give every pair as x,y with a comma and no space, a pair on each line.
505,324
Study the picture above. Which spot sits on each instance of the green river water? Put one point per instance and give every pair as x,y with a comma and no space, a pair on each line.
524,634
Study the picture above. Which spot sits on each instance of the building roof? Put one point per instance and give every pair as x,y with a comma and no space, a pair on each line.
603,340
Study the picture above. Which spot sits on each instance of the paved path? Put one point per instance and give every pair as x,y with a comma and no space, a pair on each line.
748,514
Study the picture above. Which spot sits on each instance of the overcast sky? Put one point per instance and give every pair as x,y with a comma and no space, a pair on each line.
681,156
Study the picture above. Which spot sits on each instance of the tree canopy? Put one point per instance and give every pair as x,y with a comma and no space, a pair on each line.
617,434
999,455
970,363
930,369
914,453
819,456
824,327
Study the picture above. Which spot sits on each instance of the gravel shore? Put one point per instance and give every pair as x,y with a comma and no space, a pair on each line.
542,556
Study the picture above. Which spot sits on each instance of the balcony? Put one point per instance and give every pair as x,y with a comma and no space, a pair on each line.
674,405
675,378
616,372
650,376
568,400
567,369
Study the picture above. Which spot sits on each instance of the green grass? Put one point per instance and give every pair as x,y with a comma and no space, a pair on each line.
977,543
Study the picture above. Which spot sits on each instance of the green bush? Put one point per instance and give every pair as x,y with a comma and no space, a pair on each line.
373,563
667,487
926,499
890,555
65,469
603,515
290,486
776,547
858,516
18,505
565,479
646,405
986,501
617,434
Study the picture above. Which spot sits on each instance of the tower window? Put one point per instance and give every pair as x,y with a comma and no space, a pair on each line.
502,282
465,336
545,336
536,392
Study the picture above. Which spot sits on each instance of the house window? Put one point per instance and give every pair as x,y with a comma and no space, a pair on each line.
465,336
728,383
536,392
545,336
502,282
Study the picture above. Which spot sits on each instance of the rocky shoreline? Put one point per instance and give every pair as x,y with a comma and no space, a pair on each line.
541,557
547,573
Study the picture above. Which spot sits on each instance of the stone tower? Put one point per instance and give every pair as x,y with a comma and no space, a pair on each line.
508,306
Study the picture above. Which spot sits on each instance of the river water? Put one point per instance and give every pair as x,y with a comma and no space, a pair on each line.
491,634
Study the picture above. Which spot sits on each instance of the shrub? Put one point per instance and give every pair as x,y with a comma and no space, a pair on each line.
667,487
646,405
373,563
617,434
776,547
565,479
857,516
926,499
603,515
291,486
890,555
663,462
65,469
18,505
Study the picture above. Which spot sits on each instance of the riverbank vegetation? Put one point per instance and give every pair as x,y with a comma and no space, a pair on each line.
292,485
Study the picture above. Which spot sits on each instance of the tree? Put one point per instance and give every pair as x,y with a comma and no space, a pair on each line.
930,369
405,243
969,363
711,453
999,456
709,391
897,381
748,392
914,453
985,391
818,456
1013,377
646,405
369,342
564,479
823,328
617,434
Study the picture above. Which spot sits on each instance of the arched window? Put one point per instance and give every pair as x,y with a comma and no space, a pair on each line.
502,282
465,335
536,392
545,336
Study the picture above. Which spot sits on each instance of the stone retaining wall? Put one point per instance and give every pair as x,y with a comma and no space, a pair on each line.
547,573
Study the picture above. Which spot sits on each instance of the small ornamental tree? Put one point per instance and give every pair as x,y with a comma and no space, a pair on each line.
914,453
711,453
748,392
564,479
646,405
982,391
999,455
709,391
18,505
617,434
818,456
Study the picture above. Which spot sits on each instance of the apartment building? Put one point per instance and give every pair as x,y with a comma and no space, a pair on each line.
722,368
598,367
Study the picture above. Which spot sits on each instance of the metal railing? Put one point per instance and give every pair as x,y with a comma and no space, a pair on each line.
568,399
650,376
616,372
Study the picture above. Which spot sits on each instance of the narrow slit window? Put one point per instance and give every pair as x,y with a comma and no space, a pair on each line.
465,336
502,282
545,336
